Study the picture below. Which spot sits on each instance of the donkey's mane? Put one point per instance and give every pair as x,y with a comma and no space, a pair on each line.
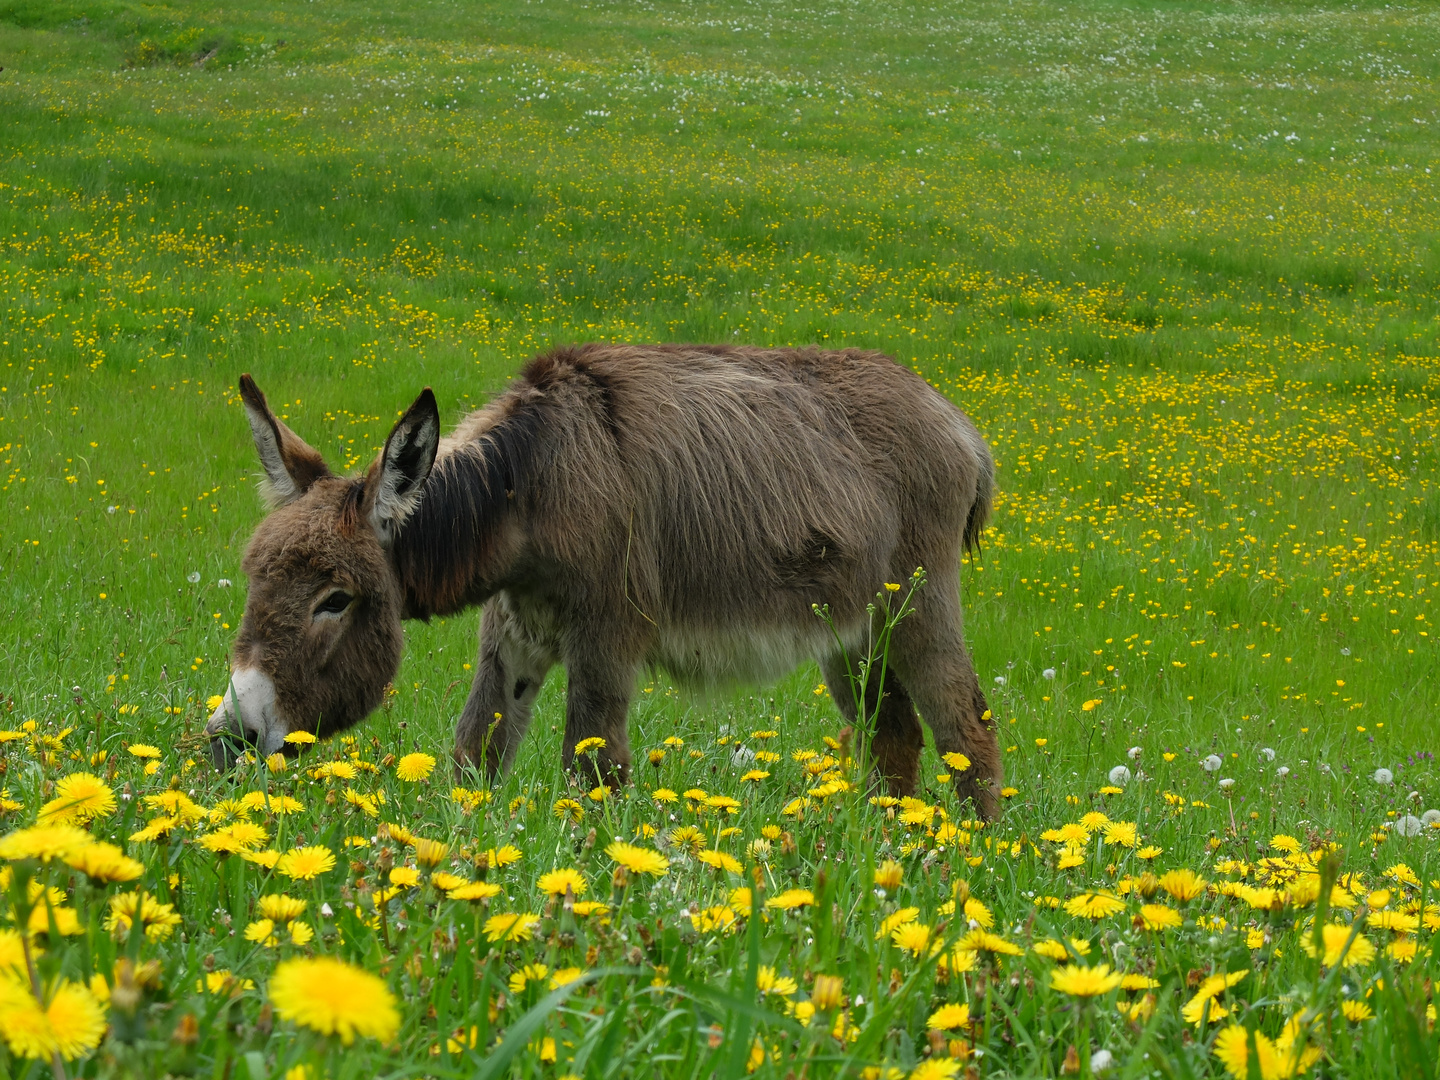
445,543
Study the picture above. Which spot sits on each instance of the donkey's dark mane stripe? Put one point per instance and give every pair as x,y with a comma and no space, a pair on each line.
441,549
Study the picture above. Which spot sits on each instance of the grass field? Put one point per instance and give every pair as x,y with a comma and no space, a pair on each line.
1178,261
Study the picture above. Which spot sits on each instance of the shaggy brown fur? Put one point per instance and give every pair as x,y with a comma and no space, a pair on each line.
621,506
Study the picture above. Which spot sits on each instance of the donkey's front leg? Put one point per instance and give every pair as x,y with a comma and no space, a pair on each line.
509,673
599,700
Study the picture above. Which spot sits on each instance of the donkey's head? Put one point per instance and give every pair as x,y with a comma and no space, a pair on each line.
321,635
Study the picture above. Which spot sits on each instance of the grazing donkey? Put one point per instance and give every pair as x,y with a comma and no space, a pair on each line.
619,506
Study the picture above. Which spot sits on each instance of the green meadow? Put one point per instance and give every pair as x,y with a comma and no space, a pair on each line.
1177,260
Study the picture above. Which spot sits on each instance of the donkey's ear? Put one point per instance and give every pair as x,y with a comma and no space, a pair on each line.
397,483
291,465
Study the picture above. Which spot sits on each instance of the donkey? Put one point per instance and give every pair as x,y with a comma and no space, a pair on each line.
618,506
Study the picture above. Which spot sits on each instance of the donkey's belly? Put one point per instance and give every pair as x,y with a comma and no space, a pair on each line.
715,657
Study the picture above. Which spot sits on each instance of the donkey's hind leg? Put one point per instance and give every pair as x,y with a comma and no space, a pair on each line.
896,743
928,652
509,673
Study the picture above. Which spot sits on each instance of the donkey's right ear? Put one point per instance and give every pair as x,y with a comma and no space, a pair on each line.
396,482
291,465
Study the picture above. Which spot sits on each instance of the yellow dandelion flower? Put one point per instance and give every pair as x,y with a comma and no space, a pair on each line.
949,1018
1137,1011
78,797
896,918
430,852
511,926
1184,884
985,941
281,908
1149,852
44,842
67,923
1079,981
559,882
1398,921
413,767
1403,950
791,899
888,875
474,890
1338,948
241,836
958,762
334,998
712,919
957,961
978,913
159,920
1056,950
405,877
1134,981
498,858
307,863
1403,874
720,861
1099,904
71,1024
938,1068
301,738
1071,833
105,862
1120,833
590,745
638,860
144,750
178,805
1278,1059
526,975
913,937
771,983
1356,1011
565,976
569,808
828,992
1160,917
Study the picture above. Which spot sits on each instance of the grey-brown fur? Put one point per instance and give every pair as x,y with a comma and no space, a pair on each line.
621,506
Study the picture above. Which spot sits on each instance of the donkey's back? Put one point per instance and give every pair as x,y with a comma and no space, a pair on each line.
727,490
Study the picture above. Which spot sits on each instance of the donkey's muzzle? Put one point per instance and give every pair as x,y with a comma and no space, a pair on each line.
227,749
244,720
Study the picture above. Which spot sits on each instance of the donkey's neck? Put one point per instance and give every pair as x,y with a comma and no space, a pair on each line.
455,550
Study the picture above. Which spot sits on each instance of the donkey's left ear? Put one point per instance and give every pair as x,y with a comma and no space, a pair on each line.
397,481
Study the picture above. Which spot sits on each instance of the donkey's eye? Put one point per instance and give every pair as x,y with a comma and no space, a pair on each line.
335,603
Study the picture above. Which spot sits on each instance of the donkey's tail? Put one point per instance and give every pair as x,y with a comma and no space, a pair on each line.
984,499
